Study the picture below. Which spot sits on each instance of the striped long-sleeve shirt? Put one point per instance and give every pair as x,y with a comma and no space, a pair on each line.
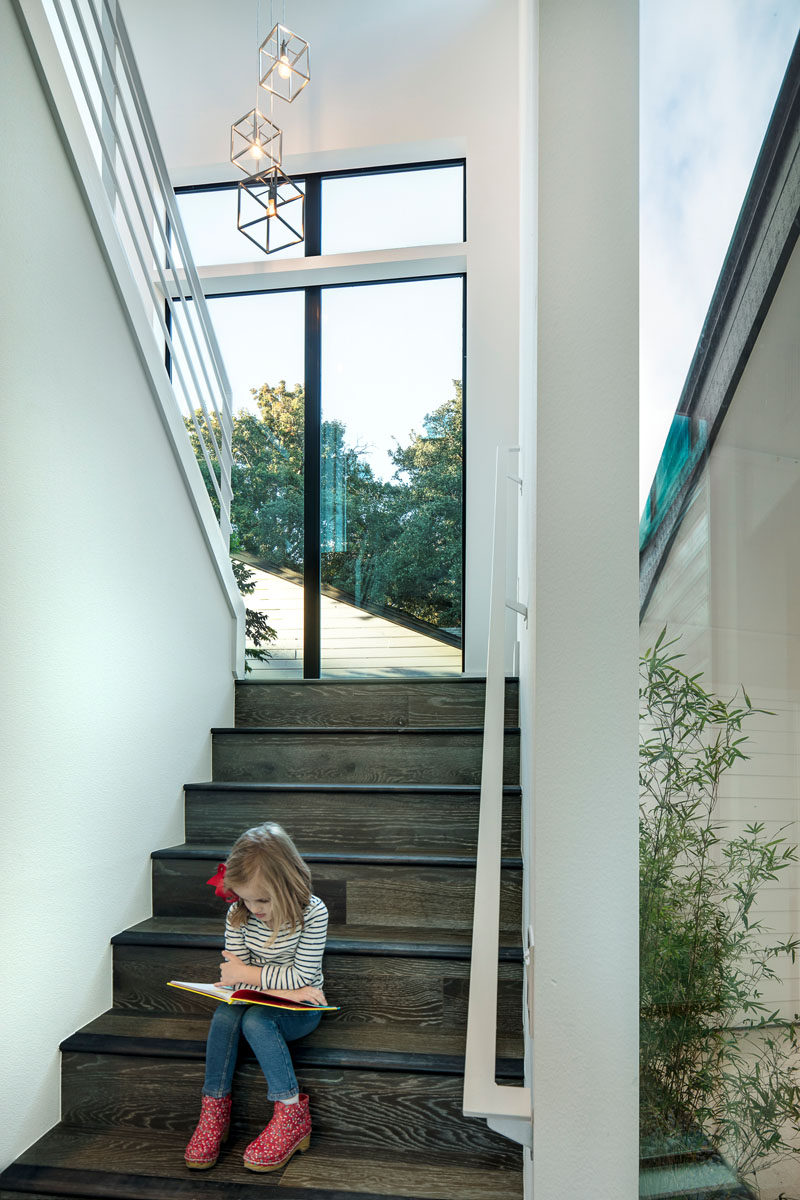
294,960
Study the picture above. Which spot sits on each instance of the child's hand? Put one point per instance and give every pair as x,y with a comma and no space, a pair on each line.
232,970
309,995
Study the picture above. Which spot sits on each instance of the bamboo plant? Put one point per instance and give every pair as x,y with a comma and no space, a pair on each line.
717,1066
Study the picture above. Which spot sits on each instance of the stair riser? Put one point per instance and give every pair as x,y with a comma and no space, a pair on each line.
355,894
26,1195
361,1112
292,757
443,702
375,823
377,994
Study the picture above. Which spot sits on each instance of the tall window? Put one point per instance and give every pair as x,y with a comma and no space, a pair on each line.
349,429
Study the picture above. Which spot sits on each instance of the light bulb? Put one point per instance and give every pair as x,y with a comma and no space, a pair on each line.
272,206
284,69
256,150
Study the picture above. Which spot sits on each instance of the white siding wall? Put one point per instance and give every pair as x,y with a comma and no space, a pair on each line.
731,588
116,636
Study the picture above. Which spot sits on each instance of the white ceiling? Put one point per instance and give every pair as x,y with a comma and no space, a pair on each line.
382,73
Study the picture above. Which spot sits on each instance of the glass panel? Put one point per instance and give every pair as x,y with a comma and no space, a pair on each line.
397,208
392,479
209,218
262,343
720,638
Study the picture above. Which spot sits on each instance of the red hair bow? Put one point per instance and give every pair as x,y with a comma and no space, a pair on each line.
218,883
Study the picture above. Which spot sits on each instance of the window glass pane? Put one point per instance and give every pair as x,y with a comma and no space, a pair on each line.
262,342
392,479
209,218
396,208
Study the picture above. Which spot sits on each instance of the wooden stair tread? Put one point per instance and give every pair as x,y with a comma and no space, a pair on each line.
384,1113
178,1035
385,995
148,1165
353,939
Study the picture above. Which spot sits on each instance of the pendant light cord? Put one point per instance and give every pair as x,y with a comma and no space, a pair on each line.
258,55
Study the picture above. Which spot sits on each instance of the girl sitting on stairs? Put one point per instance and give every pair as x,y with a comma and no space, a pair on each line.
274,938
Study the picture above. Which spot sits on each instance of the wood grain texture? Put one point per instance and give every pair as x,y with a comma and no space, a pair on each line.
149,1166
295,756
371,821
382,702
373,941
358,1112
351,1038
422,1181
359,894
387,1001
385,1073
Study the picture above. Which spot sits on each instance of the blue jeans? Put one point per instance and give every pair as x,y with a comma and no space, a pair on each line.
267,1030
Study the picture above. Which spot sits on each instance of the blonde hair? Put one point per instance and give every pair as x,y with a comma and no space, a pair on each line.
266,857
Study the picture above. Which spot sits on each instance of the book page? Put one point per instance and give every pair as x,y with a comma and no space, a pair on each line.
206,989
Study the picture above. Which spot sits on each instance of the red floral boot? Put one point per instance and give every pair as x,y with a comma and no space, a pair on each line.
289,1130
212,1130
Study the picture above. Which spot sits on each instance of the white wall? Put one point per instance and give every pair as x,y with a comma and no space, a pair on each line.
578,658
116,635
390,83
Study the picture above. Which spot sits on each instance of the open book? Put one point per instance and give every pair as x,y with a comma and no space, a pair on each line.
248,996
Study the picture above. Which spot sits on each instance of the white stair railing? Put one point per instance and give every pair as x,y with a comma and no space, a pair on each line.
84,57
505,1109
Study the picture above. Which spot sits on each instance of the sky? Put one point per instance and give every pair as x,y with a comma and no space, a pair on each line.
390,352
710,71
366,334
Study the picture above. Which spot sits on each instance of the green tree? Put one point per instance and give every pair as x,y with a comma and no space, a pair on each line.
360,515
257,629
391,543
426,559
267,476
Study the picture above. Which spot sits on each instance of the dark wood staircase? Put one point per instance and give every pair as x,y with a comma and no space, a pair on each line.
377,782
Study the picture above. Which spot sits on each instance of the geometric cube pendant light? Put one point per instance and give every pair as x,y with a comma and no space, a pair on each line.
256,143
284,63
271,210
271,207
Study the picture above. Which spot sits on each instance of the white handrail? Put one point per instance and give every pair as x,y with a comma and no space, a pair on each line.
505,1109
92,50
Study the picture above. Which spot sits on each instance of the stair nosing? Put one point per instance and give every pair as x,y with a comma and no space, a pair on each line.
124,1185
402,681
400,730
422,789
137,1046
197,851
405,948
